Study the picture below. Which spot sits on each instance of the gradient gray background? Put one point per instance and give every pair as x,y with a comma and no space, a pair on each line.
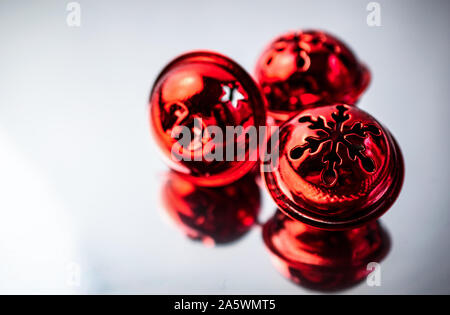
80,175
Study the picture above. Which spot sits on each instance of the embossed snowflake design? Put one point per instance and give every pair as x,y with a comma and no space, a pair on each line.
336,132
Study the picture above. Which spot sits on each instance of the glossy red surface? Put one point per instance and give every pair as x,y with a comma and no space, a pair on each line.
305,69
216,215
324,260
338,168
213,88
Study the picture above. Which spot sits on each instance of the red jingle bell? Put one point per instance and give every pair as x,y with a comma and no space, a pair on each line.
338,168
305,69
214,215
324,260
203,93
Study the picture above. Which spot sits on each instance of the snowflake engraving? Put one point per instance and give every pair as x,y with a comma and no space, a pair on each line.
336,132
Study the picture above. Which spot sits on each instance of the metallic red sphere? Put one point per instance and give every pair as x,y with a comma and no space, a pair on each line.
324,260
338,168
214,215
198,91
305,69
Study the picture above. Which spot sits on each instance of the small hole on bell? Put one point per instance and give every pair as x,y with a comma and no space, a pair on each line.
300,62
296,153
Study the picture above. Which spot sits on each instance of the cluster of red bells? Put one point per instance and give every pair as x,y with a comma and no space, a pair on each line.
338,168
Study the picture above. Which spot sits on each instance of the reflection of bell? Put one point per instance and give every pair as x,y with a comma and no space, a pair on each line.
213,215
324,260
